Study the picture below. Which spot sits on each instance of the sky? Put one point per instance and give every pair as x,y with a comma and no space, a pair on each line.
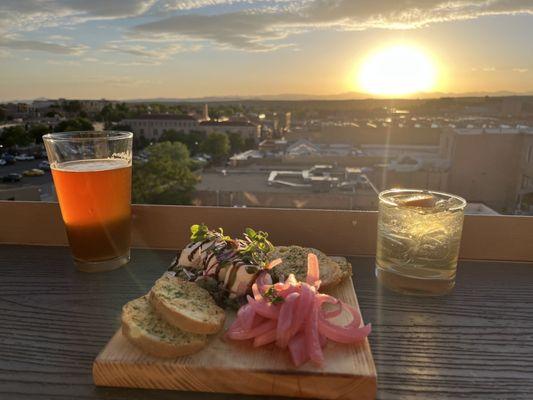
124,49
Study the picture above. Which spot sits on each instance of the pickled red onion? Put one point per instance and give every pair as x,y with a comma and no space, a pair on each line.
298,322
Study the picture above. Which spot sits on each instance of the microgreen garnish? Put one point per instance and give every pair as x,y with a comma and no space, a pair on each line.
201,232
272,295
256,247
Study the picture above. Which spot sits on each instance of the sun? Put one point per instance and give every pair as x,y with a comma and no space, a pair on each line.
397,70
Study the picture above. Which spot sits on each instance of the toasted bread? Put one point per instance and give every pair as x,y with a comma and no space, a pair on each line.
146,330
294,261
186,305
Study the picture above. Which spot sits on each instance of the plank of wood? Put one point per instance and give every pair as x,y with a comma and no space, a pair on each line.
234,367
485,237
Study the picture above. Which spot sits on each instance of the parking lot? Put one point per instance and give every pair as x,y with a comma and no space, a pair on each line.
44,183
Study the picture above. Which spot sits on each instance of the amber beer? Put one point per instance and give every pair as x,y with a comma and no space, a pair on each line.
95,200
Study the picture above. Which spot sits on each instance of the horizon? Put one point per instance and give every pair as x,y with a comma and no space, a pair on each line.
291,97
234,48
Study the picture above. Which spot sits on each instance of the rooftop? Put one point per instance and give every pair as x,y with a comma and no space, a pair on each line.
227,123
494,131
371,136
171,117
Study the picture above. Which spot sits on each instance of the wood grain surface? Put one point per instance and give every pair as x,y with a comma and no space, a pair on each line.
476,343
234,367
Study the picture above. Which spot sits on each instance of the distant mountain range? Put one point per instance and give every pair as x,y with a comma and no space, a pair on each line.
308,97
339,96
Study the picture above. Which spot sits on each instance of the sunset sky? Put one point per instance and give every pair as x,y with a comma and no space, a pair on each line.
122,49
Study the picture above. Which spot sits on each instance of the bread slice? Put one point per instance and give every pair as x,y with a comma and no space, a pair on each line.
344,264
146,330
294,261
186,305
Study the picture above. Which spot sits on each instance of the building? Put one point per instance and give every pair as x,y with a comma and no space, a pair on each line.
245,158
302,148
246,129
245,188
386,143
39,105
285,121
512,107
273,145
205,113
17,110
494,166
93,106
152,126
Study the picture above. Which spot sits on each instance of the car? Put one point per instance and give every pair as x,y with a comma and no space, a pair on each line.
2,162
9,159
24,157
45,165
33,172
12,177
39,154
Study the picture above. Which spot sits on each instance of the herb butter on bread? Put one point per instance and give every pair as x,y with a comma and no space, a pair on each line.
294,261
146,330
186,305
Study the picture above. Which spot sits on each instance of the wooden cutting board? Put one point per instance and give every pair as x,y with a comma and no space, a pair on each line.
236,367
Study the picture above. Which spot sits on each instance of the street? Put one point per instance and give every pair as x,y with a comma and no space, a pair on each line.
44,183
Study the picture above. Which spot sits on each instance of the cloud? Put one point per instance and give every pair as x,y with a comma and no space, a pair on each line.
520,70
63,63
243,30
33,14
256,25
60,38
107,8
123,81
14,43
195,4
160,53
263,29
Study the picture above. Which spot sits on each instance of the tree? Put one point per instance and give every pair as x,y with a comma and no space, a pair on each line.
195,140
173,136
36,132
15,136
236,142
76,124
192,140
114,113
140,142
249,143
72,106
217,146
166,177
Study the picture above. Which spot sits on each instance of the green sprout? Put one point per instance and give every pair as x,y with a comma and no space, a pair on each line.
256,247
273,296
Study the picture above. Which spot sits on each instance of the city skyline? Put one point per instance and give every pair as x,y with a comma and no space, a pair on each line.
192,49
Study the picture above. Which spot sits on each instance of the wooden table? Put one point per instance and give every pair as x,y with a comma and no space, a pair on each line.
476,343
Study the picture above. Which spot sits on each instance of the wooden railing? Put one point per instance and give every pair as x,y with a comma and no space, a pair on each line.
498,238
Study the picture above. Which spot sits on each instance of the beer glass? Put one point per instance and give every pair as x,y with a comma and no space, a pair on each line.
92,178
419,234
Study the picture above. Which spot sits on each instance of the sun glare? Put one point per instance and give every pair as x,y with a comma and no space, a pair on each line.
397,70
